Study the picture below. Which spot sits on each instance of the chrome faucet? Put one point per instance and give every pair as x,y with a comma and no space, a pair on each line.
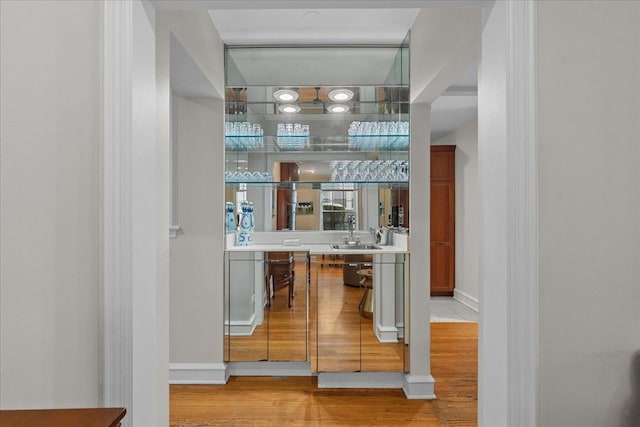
351,221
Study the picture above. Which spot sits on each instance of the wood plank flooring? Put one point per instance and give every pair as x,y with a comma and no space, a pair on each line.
296,401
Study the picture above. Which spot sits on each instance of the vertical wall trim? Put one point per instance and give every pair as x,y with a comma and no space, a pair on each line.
174,227
522,215
419,384
117,206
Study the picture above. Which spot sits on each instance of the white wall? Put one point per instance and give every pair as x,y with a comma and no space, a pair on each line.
492,149
465,139
150,377
196,33
589,151
196,282
50,198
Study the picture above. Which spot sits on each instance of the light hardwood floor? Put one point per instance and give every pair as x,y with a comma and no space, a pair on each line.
296,401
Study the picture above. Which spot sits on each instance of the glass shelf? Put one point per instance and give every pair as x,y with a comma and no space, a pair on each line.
239,110
328,185
272,144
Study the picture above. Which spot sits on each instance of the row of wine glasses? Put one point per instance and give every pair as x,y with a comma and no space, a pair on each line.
248,176
243,129
369,170
243,143
292,129
378,135
243,136
292,136
389,142
378,128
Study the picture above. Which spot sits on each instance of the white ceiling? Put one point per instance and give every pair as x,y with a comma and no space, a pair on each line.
313,26
450,112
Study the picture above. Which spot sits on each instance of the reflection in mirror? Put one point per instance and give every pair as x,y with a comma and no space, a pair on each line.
266,306
358,331
306,66
287,307
322,206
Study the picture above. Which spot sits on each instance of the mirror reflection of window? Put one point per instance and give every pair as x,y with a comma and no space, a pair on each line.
337,205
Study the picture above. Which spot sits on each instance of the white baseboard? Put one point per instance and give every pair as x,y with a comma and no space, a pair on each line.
419,387
198,373
270,369
241,328
466,299
360,380
386,333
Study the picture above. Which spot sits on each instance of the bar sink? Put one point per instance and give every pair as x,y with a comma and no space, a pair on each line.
356,246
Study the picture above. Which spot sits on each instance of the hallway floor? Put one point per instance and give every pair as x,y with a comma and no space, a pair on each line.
296,401
448,309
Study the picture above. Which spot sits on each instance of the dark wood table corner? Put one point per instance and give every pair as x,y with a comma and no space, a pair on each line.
85,417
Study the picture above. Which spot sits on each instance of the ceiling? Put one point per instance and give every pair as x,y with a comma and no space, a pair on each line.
313,26
345,22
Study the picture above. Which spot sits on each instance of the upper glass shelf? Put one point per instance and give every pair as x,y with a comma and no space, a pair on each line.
324,185
306,144
238,110
321,101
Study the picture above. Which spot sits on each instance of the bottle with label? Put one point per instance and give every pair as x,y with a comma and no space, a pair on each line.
244,237
230,219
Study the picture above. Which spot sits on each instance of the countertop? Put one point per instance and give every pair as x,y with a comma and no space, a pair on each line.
314,242
315,249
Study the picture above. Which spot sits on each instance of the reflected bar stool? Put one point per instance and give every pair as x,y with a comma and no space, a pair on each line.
280,272
366,302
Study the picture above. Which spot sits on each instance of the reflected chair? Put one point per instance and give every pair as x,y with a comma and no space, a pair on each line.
353,263
279,273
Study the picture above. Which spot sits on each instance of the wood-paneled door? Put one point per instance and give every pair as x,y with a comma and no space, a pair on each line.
443,214
285,207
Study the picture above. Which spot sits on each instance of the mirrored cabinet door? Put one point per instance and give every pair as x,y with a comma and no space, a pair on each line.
338,317
246,326
360,313
287,308
266,306
383,312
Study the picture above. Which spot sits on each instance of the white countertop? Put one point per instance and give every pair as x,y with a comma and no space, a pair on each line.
315,249
319,243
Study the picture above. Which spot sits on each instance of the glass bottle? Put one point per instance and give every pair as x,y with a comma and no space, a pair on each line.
230,219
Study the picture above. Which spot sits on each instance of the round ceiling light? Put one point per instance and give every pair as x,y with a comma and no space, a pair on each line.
289,108
285,95
340,95
338,108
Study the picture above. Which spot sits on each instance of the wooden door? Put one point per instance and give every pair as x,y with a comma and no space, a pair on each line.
289,172
443,210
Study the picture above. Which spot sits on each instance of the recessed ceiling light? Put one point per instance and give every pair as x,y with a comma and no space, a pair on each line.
340,95
285,95
338,108
289,108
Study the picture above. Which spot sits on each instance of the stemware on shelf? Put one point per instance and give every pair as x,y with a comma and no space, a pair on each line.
248,176
369,170
378,135
243,136
292,136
